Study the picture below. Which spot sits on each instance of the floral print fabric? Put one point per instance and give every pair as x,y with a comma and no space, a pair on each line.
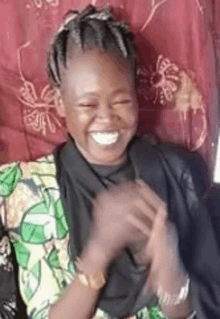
32,212
178,43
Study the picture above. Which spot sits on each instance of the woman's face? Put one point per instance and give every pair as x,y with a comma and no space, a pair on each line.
100,105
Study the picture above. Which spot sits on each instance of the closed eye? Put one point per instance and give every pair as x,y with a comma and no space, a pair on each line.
87,105
123,102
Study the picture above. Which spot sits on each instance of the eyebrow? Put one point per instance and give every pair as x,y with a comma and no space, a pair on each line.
121,90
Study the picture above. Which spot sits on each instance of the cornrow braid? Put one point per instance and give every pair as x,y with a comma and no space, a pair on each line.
90,28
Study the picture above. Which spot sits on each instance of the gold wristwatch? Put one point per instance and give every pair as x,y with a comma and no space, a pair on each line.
94,281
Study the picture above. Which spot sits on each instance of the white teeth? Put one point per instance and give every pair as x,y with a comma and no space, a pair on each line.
105,138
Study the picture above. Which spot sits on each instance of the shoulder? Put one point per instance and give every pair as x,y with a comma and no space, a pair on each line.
23,185
181,156
190,168
12,173
178,153
175,154
171,150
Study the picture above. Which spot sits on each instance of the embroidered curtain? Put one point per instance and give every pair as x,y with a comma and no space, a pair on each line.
177,77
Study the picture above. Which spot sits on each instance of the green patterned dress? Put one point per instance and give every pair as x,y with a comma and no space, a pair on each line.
32,212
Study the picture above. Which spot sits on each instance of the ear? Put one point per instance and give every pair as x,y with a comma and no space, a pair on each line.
59,103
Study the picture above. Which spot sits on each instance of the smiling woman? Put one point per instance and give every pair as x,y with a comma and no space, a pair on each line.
94,70
108,226
99,98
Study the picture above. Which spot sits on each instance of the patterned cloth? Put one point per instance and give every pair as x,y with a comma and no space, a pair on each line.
39,232
176,85
7,286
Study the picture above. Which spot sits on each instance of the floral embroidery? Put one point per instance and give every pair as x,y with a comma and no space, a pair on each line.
155,4
201,8
165,83
40,3
159,83
188,97
38,113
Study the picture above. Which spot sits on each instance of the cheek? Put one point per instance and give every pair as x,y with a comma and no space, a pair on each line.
131,116
77,122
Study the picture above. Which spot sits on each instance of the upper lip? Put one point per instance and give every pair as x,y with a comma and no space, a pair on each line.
105,131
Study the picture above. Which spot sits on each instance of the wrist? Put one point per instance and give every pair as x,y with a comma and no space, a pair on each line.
169,299
183,310
94,258
171,280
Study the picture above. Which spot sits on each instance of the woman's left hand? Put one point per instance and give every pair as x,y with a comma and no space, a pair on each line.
161,250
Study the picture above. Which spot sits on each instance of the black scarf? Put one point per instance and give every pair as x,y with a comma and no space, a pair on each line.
167,172
79,184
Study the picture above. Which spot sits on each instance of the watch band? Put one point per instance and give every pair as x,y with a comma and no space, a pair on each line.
95,280
167,299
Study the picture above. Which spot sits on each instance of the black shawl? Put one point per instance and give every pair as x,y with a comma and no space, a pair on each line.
172,174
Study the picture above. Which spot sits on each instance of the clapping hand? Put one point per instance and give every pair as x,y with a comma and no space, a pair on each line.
132,214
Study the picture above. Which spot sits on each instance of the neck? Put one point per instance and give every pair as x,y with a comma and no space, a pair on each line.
93,161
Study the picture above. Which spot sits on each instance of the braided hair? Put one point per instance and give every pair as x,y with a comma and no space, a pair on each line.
89,29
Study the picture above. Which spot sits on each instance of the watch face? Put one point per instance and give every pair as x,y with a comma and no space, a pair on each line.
94,281
97,280
84,280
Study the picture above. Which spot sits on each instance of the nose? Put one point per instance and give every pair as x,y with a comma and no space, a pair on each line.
105,112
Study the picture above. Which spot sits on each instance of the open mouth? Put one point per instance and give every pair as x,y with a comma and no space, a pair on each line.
105,138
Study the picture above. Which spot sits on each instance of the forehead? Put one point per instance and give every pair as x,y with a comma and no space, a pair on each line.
92,68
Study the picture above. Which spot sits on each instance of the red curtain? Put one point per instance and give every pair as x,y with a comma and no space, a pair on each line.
177,82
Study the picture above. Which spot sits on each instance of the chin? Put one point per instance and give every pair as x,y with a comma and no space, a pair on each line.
108,159
113,154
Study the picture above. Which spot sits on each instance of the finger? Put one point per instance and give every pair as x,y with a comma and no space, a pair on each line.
145,212
136,222
151,197
145,220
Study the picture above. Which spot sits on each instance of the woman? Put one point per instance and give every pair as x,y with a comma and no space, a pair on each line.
108,225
